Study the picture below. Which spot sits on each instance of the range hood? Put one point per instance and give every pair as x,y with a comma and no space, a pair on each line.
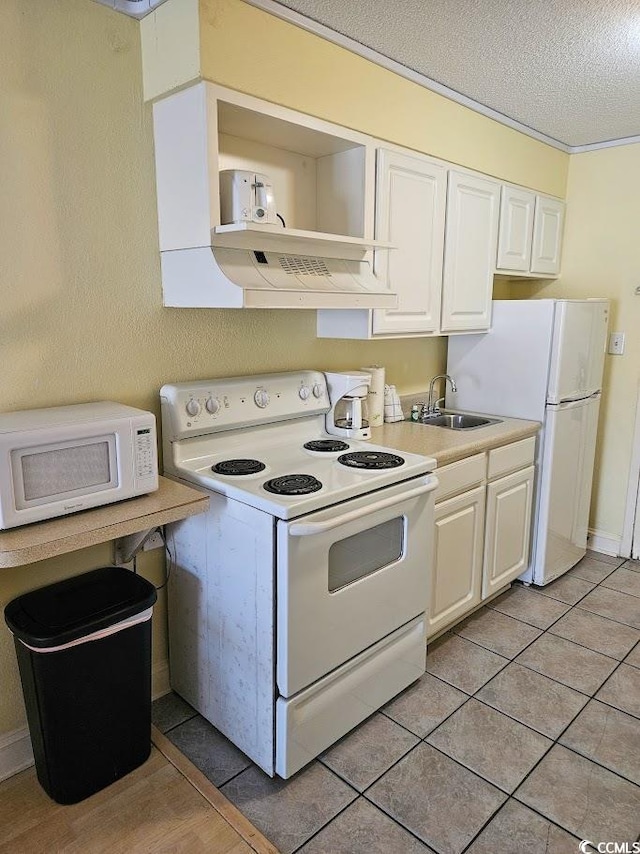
226,277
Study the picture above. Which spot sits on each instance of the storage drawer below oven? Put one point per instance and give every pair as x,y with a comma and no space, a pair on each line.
318,716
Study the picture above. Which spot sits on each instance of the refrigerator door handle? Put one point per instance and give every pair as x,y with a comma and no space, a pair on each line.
573,404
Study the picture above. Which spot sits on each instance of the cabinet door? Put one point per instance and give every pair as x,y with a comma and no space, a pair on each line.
456,577
410,214
470,252
516,229
507,530
547,236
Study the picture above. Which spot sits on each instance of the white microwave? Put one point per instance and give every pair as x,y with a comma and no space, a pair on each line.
63,459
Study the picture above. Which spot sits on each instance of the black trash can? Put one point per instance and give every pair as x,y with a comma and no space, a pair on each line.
84,653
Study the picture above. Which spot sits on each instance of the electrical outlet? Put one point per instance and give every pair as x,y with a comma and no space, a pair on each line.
616,343
155,541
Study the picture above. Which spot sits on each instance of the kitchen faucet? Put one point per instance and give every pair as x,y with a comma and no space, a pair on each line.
430,409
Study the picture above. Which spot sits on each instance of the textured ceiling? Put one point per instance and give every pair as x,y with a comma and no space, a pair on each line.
568,69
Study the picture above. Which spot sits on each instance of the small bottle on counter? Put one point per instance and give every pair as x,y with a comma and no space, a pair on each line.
415,412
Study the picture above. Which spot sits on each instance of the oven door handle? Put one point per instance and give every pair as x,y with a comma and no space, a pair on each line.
305,529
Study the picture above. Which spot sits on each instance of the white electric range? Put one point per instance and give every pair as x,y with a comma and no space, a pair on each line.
297,602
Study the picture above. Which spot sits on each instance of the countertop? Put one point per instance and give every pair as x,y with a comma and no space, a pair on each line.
41,540
448,446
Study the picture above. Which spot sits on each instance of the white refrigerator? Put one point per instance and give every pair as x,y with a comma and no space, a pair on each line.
543,360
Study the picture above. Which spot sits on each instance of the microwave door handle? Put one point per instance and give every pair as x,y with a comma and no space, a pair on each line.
305,529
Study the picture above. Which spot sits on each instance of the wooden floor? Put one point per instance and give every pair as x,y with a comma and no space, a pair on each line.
157,808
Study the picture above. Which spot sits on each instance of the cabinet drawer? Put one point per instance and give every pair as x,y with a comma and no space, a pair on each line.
510,458
460,476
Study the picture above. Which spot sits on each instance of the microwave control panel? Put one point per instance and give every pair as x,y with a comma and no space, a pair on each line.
145,452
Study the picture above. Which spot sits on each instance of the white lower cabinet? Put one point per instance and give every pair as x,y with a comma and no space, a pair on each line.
507,530
482,530
456,582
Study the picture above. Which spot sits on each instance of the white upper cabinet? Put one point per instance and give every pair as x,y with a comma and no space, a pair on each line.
547,236
470,251
410,214
516,229
530,236
444,225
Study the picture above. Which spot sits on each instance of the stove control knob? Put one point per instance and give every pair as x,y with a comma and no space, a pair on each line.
193,407
318,391
304,392
261,398
212,405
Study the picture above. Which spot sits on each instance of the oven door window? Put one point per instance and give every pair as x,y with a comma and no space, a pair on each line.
366,552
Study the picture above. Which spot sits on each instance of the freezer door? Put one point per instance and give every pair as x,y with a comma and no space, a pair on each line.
577,357
565,487
505,371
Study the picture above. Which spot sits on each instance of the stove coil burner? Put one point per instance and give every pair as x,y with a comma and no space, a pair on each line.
326,445
234,467
370,460
293,484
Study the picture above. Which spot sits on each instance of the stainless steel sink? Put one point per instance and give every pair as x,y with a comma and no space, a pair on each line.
459,421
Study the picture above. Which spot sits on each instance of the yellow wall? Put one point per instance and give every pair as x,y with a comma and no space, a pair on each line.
187,39
82,316
81,301
601,258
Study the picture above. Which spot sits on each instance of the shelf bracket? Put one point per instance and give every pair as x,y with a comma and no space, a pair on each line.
126,548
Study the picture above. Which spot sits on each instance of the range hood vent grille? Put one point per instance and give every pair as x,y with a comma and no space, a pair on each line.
296,265
222,277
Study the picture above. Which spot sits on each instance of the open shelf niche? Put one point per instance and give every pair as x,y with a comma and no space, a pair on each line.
323,176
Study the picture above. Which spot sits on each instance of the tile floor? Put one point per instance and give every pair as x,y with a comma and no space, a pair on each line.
523,736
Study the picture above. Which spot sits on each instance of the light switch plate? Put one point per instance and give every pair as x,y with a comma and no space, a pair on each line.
616,343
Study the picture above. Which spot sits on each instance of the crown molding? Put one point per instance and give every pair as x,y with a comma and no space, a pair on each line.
609,143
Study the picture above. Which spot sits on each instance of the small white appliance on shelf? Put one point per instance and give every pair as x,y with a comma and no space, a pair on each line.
246,197
297,601
543,360
349,414
61,459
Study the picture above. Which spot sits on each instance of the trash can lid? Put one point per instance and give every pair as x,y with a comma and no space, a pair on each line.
67,610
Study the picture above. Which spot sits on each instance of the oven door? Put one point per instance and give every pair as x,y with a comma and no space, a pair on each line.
349,575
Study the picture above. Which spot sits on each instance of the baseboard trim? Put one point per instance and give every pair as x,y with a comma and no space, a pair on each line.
160,684
16,752
600,541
